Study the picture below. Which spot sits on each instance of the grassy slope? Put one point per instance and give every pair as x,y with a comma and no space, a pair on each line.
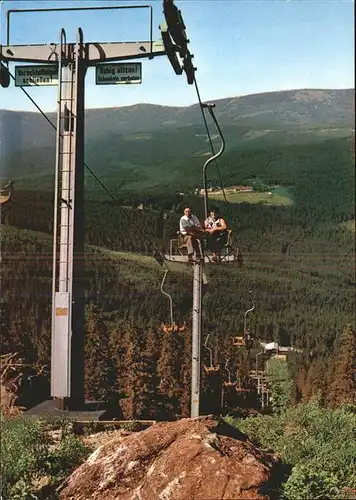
32,246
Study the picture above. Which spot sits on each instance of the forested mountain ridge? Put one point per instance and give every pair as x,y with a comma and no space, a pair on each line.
125,142
172,162
283,109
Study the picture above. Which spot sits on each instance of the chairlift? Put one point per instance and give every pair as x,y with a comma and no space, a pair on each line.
6,194
246,339
177,246
172,327
238,387
211,368
238,341
228,383
178,251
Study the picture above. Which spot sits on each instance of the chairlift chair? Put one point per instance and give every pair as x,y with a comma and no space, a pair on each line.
178,251
167,328
238,385
228,383
172,327
238,341
246,340
211,368
6,193
177,245
178,248
181,328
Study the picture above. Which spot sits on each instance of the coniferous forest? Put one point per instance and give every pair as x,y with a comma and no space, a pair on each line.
297,260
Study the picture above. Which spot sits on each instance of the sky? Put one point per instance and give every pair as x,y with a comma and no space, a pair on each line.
240,47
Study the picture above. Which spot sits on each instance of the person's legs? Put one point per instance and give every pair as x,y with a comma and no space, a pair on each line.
220,240
193,243
196,243
216,241
212,243
188,241
198,248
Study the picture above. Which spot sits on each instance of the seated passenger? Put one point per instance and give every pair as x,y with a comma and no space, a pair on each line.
216,227
190,228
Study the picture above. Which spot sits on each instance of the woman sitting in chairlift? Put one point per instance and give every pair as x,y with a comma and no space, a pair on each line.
217,234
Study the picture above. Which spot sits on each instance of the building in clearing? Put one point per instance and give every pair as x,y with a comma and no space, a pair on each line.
278,351
243,189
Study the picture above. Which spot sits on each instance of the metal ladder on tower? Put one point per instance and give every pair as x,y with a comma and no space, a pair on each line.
64,221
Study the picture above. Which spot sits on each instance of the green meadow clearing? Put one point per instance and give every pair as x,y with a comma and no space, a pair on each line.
279,196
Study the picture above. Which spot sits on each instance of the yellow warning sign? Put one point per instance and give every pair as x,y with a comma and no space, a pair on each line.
61,311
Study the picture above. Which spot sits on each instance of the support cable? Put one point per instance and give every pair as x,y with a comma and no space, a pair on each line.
157,254
209,136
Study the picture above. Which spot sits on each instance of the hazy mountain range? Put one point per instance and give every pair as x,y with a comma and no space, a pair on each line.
147,134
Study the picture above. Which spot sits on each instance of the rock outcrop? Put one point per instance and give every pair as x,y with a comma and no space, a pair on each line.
184,460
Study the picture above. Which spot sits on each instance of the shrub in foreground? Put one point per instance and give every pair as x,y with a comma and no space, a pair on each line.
27,455
318,443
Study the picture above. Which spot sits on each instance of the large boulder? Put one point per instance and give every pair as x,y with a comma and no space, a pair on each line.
188,459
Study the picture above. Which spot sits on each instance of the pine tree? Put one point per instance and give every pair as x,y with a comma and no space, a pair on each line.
130,405
120,339
4,327
169,370
152,401
43,344
99,369
316,379
342,371
141,382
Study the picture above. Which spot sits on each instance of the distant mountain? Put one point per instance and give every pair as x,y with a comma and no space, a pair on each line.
135,144
276,110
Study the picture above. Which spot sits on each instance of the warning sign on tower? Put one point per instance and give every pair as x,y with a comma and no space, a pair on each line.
29,76
108,74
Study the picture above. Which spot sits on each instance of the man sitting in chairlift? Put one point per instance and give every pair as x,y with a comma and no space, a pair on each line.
190,228
216,227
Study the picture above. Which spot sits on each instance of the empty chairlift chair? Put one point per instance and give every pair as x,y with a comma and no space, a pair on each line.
210,369
238,341
245,340
228,383
172,327
6,194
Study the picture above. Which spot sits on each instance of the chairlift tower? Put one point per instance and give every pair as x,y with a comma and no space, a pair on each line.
65,64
